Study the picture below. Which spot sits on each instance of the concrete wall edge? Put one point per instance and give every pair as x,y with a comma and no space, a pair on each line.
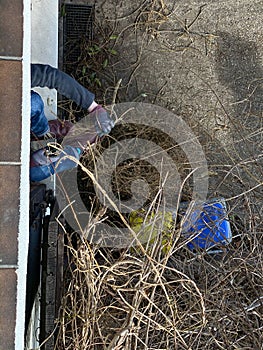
23,234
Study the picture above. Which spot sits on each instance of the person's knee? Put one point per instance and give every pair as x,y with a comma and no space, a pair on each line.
39,123
37,104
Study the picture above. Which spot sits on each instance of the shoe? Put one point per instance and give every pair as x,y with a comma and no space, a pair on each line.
59,129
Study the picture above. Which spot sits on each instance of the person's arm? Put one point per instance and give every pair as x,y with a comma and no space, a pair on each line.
46,76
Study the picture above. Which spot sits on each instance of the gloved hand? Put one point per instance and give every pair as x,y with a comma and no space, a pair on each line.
102,120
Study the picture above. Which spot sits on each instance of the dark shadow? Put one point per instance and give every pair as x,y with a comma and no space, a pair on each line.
239,69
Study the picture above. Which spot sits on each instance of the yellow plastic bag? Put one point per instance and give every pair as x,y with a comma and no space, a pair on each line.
148,227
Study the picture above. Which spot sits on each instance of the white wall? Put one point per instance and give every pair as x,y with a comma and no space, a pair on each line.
44,45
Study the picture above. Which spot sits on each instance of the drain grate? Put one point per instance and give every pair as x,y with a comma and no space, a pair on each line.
77,31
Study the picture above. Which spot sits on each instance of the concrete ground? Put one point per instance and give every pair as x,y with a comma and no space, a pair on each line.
202,60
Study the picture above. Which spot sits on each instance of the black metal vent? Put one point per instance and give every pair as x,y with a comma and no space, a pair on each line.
77,31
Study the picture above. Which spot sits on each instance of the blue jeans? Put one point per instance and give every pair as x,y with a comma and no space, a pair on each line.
39,122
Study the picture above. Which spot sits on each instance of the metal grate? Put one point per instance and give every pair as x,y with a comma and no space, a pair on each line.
77,31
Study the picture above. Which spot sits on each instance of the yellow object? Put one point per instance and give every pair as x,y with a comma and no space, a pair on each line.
149,227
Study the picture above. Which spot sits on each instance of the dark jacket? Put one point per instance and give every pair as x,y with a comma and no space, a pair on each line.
46,76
